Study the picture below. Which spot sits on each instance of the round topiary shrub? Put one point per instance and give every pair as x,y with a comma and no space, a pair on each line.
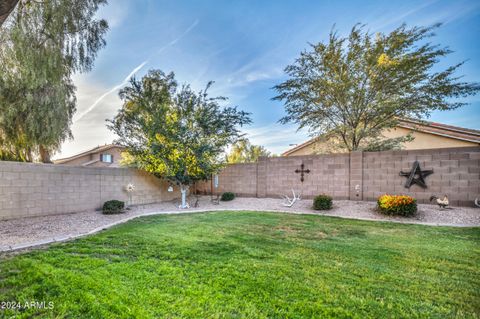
322,202
227,196
400,205
113,207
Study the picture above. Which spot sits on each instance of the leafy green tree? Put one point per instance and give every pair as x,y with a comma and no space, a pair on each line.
43,44
175,133
244,152
354,88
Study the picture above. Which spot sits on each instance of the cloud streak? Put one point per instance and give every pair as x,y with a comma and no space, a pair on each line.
276,137
112,90
174,41
132,73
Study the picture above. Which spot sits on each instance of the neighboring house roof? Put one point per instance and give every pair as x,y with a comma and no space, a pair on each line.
94,150
453,132
300,146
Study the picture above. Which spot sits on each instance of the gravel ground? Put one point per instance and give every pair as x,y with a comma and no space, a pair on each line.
26,232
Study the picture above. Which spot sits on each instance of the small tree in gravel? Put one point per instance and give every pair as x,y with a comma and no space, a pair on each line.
175,133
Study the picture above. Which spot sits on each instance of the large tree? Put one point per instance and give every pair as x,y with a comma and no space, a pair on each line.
43,44
354,88
245,152
175,133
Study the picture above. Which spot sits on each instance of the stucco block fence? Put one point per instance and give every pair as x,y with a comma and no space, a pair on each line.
39,189
357,175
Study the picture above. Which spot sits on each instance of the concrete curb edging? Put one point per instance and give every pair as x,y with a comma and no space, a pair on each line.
176,212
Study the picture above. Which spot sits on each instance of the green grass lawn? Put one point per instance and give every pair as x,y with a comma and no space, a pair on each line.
252,265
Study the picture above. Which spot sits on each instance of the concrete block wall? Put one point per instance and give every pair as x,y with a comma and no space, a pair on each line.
38,189
329,174
356,176
275,176
456,173
240,177
359,175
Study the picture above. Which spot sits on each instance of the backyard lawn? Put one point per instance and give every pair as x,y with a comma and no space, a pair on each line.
251,265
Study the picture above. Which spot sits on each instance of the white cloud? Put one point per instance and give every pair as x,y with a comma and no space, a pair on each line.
424,15
117,87
91,131
115,12
242,78
174,41
253,72
276,137
89,127
452,13
395,18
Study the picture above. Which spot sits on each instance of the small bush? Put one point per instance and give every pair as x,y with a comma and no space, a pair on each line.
113,207
401,205
228,196
322,202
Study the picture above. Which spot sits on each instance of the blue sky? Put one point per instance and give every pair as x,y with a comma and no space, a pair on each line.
244,46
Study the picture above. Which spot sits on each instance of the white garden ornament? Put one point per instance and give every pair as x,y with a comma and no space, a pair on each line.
289,202
130,188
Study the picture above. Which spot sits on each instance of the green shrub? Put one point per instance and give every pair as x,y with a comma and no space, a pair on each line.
228,196
401,205
113,207
322,202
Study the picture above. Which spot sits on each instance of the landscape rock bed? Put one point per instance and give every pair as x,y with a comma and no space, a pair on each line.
26,232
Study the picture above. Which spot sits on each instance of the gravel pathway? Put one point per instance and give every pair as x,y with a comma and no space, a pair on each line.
27,232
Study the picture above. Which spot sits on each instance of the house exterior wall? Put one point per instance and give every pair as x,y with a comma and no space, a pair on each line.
425,140
28,190
309,149
358,175
116,152
421,141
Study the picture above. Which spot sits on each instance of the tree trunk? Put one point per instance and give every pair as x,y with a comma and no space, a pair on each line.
183,190
28,155
6,7
44,154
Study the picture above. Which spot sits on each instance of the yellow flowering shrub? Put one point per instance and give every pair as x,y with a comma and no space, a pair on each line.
385,60
402,205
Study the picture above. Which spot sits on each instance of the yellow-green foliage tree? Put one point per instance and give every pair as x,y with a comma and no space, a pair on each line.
175,133
353,88
244,152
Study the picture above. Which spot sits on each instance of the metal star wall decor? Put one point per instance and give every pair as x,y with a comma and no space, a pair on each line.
416,176
302,171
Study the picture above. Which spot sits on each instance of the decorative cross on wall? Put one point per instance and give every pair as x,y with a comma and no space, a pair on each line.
302,171
416,171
